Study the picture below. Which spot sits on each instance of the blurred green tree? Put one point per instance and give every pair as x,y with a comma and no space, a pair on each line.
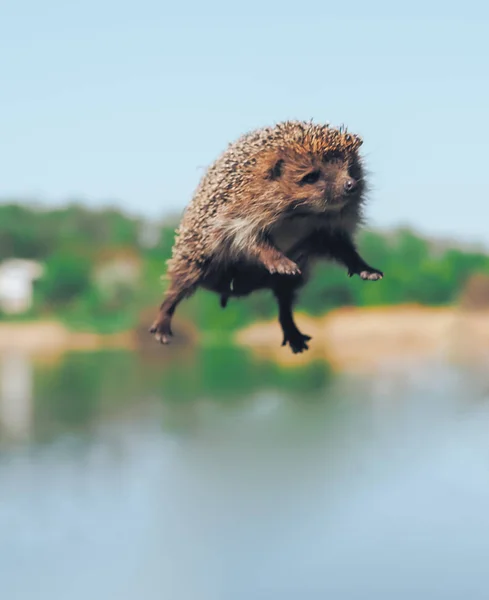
67,276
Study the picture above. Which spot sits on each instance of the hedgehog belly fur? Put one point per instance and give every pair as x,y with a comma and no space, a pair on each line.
289,232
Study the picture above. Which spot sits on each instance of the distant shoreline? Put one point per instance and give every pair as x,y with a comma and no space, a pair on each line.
364,339
349,339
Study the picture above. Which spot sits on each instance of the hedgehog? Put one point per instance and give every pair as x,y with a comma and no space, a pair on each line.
277,200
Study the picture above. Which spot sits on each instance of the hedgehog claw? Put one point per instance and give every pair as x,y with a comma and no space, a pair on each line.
297,341
285,266
162,339
371,275
162,332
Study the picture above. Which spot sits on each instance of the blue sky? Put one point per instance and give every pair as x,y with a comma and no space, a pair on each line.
127,103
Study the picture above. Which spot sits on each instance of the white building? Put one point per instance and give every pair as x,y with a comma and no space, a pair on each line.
16,284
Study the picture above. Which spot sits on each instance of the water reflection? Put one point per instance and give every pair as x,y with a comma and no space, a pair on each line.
84,389
220,477
16,394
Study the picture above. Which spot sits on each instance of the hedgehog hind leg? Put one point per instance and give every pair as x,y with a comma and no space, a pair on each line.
285,295
180,288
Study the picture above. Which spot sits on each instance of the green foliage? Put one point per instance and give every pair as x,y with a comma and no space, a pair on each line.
328,288
66,278
72,241
28,232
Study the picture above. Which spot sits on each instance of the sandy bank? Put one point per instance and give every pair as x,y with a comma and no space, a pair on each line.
47,337
364,339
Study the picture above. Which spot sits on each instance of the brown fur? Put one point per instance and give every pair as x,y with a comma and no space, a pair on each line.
275,199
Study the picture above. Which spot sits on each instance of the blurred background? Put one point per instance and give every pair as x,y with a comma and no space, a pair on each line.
223,466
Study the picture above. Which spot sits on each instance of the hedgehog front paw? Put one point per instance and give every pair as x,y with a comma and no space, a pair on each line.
161,330
296,340
368,274
283,266
371,275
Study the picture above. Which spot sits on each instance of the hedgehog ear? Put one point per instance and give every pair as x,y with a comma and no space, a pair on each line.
276,170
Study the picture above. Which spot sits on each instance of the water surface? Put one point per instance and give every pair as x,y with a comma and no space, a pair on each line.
212,476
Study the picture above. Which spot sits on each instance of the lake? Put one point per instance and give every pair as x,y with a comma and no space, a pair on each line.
209,475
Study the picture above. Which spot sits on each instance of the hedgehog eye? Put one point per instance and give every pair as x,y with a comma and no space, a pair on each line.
311,177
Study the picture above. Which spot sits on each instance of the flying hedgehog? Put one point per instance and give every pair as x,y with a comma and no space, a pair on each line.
275,200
